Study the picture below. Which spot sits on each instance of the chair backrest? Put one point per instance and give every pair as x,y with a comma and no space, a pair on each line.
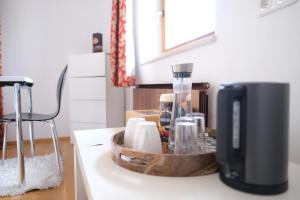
59,90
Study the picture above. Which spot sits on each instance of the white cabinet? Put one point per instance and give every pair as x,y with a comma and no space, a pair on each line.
78,90
87,65
94,103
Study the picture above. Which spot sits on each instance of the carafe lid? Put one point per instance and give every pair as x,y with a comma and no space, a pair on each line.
183,70
184,67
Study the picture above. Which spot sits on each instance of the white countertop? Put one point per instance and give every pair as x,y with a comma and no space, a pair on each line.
104,179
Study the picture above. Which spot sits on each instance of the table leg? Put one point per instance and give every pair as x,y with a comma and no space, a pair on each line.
19,134
31,134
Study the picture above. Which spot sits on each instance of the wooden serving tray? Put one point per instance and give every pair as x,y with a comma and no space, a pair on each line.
179,165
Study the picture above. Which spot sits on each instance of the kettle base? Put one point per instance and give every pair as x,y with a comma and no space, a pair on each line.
255,189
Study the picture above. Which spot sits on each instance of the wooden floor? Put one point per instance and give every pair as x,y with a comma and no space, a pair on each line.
66,190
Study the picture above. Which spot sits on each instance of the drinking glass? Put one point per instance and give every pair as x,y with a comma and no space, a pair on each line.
185,136
205,142
200,120
201,135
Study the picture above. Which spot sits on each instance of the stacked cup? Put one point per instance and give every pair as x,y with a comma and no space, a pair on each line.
142,135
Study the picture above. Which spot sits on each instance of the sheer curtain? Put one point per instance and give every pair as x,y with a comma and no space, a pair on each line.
122,44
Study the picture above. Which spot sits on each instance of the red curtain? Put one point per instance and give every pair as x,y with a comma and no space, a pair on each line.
118,46
1,98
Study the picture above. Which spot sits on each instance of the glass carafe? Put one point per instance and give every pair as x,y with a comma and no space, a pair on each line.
182,102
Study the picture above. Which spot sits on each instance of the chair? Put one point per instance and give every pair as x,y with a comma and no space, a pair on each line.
44,118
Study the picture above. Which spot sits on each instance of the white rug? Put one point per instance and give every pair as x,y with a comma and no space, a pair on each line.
41,173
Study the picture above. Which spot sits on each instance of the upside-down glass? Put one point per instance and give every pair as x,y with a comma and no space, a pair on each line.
200,120
201,136
205,142
185,136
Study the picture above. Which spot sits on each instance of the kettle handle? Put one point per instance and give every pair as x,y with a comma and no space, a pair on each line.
231,124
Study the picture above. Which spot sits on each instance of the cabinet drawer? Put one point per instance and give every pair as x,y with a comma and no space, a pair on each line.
89,88
88,111
87,65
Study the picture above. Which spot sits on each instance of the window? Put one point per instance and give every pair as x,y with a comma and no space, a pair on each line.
185,21
166,27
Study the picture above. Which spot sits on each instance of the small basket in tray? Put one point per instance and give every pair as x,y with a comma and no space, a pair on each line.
179,165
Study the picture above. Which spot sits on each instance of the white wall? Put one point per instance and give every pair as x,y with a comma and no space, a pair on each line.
37,38
247,48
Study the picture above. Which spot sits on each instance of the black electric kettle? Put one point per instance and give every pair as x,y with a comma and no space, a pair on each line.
252,136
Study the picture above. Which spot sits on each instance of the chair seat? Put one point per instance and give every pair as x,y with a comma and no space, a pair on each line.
27,117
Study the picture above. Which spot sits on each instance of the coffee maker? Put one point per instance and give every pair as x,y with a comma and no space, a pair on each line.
252,136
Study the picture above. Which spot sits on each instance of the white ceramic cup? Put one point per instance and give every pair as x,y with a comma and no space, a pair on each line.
146,138
130,130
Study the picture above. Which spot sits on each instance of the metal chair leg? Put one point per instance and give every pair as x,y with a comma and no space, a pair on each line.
31,135
4,141
55,144
31,138
57,139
